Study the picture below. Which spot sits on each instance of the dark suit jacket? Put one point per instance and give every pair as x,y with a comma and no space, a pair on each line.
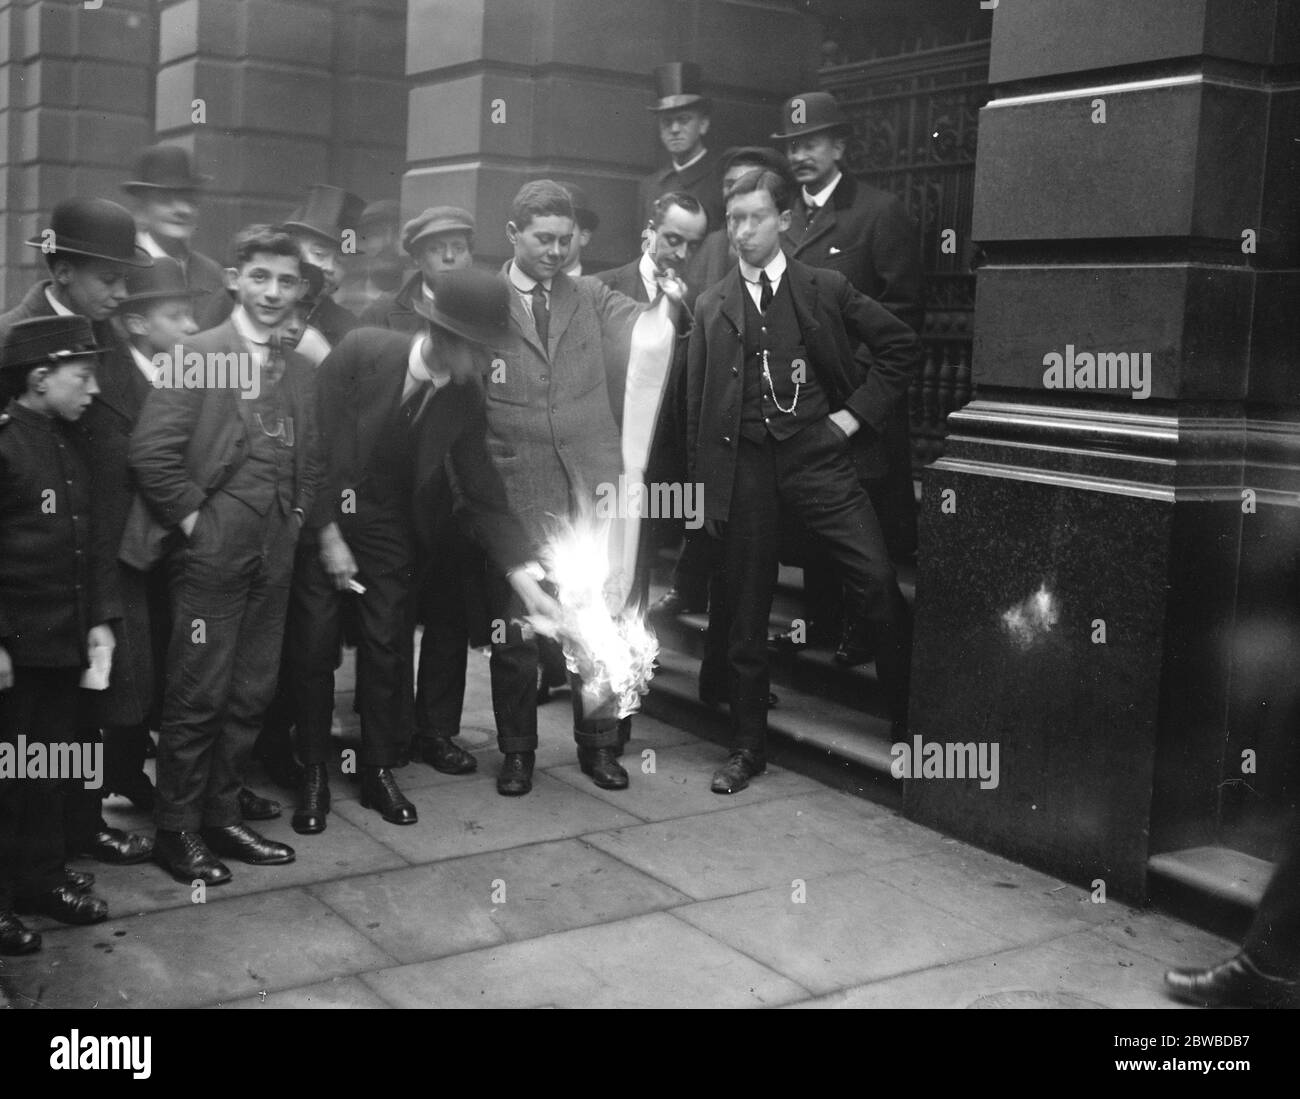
867,236
394,312
833,318
206,277
189,441
332,320
36,304
359,390
702,179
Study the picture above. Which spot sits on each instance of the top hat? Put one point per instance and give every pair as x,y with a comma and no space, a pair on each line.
45,341
678,85
165,279
470,303
165,167
326,212
435,220
583,214
811,113
93,227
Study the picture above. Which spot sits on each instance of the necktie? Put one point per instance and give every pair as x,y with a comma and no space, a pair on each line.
273,368
541,318
765,295
411,407
811,214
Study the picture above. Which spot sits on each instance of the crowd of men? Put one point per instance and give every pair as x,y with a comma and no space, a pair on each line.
203,542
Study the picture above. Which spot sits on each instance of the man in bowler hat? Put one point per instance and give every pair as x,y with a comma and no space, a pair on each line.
867,235
682,113
166,195
319,226
89,247
57,605
398,409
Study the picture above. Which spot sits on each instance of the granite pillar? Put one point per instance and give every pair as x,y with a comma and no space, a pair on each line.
503,92
1092,567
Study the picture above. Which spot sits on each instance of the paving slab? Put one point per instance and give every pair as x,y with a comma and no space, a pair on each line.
767,844
679,785
197,955
467,817
520,893
832,932
1079,970
339,992
647,961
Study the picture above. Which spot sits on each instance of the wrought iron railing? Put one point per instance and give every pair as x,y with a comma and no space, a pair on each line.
915,120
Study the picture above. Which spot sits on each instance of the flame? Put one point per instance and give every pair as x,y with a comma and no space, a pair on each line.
1031,618
608,646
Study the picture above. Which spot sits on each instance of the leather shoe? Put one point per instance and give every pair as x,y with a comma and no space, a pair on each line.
186,858
66,904
736,773
235,841
379,791
313,801
1236,982
516,777
672,603
80,880
253,807
137,789
603,767
119,848
445,755
15,938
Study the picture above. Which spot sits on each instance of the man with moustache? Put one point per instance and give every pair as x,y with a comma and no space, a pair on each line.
867,235
165,196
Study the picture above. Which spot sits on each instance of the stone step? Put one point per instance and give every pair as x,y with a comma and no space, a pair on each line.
1216,888
835,744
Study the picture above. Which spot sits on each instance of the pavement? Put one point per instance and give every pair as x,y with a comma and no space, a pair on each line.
787,894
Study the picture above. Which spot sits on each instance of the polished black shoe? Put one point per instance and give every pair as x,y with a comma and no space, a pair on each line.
66,904
1234,983
187,858
516,777
235,841
445,755
282,769
137,789
603,767
80,880
379,791
116,847
15,938
253,807
673,602
313,801
738,770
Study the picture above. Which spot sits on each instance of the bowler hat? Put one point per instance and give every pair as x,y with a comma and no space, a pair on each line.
756,155
165,279
583,214
811,113
473,304
435,220
165,167
93,227
326,212
385,210
678,84
42,341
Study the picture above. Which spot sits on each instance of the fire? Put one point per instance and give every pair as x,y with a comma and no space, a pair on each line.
608,645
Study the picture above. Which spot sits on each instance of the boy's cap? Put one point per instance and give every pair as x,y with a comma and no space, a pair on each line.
45,341
165,279
435,220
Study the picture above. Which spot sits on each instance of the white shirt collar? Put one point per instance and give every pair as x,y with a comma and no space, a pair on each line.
524,283
694,160
775,269
823,196
145,240
146,366
646,269
58,306
417,373
575,271
251,332
424,289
